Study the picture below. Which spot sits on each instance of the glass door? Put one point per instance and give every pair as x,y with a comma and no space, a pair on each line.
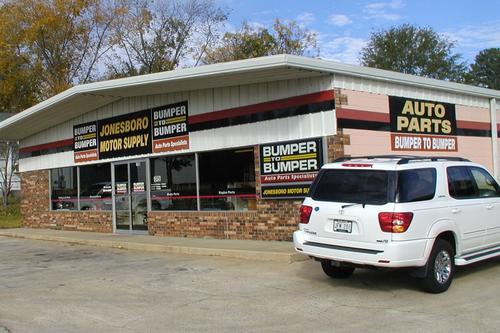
130,196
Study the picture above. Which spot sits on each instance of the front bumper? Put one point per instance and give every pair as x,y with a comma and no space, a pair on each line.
394,254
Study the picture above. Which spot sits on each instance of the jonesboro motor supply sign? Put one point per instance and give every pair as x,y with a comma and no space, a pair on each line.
161,129
288,168
420,125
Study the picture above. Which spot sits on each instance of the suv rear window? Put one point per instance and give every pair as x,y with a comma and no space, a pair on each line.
416,185
359,186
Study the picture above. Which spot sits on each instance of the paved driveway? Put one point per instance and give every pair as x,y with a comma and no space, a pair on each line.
51,287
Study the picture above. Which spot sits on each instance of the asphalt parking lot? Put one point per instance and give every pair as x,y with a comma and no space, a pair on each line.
54,287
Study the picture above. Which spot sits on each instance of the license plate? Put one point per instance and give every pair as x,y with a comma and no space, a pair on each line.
342,226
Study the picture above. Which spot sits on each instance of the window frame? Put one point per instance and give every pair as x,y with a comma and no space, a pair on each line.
77,208
196,183
148,168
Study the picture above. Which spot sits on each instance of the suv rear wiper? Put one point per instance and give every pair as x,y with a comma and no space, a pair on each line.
354,204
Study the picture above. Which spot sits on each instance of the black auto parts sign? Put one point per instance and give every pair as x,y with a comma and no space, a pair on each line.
421,125
288,168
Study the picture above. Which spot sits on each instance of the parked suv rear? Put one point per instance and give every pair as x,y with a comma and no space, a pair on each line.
426,213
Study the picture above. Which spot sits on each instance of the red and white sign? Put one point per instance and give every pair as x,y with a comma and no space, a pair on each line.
418,142
171,144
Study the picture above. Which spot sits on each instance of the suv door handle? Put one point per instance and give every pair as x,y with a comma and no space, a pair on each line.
489,207
456,210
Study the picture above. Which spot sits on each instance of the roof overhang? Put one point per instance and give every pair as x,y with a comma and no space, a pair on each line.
81,99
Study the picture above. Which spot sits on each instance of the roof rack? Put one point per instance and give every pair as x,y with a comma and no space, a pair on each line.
403,159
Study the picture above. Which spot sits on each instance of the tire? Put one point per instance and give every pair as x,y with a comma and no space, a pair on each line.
336,272
440,268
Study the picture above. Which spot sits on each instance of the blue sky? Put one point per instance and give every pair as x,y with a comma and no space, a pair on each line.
343,27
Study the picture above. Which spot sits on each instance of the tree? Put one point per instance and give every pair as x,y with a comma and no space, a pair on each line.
413,50
154,36
59,41
251,42
18,77
485,71
8,166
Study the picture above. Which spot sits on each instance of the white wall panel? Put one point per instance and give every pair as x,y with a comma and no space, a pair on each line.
200,101
305,126
46,162
292,128
389,88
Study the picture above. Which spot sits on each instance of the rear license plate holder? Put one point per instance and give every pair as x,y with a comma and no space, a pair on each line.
344,226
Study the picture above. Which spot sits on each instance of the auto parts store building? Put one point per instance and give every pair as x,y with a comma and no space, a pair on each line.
229,150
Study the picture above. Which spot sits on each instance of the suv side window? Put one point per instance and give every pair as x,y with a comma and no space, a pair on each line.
461,184
487,186
416,185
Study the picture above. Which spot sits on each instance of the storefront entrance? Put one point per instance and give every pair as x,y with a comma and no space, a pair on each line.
130,205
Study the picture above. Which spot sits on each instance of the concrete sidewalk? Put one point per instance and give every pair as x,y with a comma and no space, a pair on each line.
241,249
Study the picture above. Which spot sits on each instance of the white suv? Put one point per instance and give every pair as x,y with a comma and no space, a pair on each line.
426,213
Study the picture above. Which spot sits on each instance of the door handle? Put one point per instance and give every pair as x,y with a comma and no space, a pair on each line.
489,207
456,210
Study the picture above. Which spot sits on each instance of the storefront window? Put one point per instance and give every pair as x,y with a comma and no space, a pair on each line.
64,184
173,183
227,180
95,187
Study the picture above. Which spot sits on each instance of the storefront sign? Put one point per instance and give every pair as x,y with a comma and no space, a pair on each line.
288,168
85,142
419,125
125,135
170,128
161,129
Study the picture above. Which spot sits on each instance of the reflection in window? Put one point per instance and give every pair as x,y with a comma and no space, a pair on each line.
227,180
461,184
173,183
95,187
486,184
416,185
64,195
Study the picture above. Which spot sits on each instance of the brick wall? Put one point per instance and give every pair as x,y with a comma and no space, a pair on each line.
36,213
272,219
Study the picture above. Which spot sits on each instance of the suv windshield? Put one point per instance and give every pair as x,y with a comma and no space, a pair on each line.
352,186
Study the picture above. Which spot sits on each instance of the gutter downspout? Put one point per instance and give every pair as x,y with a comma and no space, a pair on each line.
494,137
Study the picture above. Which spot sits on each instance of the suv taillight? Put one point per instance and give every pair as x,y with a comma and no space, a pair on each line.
305,214
395,222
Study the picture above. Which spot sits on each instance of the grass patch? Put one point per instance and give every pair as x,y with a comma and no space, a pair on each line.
7,222
10,217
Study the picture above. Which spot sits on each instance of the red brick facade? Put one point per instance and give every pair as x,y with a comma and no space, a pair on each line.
36,213
272,219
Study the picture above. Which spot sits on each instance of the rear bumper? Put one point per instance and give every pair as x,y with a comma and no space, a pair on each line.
392,255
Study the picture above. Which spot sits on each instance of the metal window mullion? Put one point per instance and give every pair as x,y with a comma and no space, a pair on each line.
148,184
113,206
129,198
78,188
197,166
50,190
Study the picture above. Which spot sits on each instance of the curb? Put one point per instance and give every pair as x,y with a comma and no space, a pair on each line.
170,249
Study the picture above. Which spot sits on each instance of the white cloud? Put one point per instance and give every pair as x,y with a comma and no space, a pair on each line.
343,49
487,35
266,12
396,4
339,20
256,25
471,39
383,10
305,18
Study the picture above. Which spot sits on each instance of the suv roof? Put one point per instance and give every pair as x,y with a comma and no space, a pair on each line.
400,159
